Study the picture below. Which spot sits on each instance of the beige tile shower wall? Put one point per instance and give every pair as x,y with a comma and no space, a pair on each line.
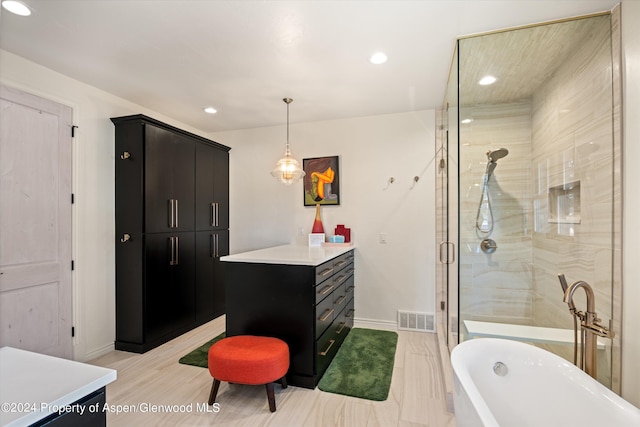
496,287
572,140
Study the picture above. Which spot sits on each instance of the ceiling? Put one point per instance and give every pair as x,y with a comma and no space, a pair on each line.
242,57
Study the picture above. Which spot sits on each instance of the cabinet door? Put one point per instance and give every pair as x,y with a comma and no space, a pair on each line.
170,283
210,246
219,296
169,181
212,188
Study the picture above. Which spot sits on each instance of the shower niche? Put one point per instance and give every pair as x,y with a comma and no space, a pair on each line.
564,203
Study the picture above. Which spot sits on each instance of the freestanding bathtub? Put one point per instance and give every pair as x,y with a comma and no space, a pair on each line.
498,382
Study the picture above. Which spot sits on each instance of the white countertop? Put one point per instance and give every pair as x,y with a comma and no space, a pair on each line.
33,385
290,255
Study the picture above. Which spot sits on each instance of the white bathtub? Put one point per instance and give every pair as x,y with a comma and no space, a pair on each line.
537,389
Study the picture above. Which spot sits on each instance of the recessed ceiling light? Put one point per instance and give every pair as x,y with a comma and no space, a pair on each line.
487,80
378,58
16,7
210,110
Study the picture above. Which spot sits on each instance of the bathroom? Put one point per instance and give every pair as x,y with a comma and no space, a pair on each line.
93,163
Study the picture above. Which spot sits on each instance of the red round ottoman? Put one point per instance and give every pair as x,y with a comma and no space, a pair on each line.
248,359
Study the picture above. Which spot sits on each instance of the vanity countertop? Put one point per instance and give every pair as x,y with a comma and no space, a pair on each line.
35,385
290,255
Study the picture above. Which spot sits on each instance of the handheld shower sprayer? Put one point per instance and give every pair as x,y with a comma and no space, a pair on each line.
485,228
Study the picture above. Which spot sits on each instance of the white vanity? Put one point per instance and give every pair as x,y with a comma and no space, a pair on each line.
36,389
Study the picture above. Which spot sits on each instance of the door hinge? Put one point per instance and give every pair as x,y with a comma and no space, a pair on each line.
442,305
73,331
73,198
73,130
73,265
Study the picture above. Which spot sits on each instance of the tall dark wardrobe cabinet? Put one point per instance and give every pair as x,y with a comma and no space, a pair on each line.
172,227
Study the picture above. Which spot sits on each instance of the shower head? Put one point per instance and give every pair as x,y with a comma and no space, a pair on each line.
493,156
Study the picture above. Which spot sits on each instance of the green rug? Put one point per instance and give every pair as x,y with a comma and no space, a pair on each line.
363,365
199,356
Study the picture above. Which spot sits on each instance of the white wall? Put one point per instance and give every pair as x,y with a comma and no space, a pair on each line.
631,203
397,275
93,185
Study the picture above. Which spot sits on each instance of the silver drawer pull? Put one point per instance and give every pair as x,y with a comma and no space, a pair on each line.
326,290
341,263
350,288
340,300
326,316
340,279
326,272
324,353
350,271
342,326
350,313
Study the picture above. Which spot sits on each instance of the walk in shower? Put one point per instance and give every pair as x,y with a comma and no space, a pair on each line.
530,186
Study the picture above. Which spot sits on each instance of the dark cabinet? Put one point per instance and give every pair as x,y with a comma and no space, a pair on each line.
311,308
210,294
169,180
212,188
172,210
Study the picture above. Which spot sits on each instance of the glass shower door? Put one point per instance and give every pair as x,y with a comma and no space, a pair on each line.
537,191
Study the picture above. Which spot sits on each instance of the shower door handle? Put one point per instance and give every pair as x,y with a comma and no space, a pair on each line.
446,245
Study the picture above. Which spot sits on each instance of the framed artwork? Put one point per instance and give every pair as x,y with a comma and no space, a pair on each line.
321,181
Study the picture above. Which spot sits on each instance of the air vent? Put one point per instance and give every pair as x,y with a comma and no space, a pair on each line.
416,321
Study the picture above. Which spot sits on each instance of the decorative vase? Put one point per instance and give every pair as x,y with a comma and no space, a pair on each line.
317,223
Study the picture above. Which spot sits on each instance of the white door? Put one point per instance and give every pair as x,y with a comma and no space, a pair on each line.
35,224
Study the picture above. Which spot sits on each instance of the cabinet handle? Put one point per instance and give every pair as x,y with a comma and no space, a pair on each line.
125,238
350,313
217,245
210,245
326,272
326,316
212,214
175,249
177,243
324,353
326,290
340,279
341,263
176,223
342,325
125,155
217,222
171,213
350,271
340,300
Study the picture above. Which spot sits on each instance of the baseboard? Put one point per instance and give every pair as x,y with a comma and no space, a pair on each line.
97,352
384,325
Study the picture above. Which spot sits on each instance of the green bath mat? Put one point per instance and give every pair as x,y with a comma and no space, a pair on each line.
363,365
199,356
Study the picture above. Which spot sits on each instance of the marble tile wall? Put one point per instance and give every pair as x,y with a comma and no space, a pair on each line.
496,287
573,142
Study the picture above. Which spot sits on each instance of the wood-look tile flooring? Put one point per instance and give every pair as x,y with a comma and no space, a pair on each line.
416,398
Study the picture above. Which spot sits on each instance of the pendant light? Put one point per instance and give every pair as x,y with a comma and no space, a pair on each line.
287,169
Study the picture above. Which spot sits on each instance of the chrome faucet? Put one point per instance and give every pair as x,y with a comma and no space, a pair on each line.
591,329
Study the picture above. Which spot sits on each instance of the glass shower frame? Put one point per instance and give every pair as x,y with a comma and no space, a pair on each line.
518,285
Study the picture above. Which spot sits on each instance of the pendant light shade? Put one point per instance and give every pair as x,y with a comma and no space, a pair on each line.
287,169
